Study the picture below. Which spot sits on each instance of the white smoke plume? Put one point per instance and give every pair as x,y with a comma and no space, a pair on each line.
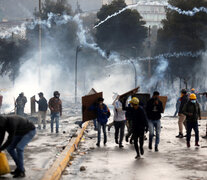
192,12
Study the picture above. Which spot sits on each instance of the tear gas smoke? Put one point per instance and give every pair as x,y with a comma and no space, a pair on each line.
192,12
129,7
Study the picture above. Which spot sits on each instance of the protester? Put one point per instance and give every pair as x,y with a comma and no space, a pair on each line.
139,124
20,104
55,106
181,116
119,122
103,114
154,109
20,133
177,106
192,111
128,115
42,110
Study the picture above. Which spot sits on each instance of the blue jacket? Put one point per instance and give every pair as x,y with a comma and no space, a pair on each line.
102,116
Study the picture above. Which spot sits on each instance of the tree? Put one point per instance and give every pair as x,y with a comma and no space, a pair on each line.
11,52
181,33
122,32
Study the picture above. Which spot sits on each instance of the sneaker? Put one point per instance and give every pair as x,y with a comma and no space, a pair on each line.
19,175
137,157
156,149
105,142
196,144
14,172
44,126
109,128
188,144
185,135
98,144
141,150
204,137
180,135
121,146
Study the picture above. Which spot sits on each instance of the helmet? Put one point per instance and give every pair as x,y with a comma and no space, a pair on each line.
192,96
134,100
193,89
56,93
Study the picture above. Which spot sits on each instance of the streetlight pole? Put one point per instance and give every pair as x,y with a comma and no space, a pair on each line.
40,43
135,70
78,48
135,73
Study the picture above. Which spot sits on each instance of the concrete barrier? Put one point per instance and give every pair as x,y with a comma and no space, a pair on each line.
55,171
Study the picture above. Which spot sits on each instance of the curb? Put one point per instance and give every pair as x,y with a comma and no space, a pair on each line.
55,171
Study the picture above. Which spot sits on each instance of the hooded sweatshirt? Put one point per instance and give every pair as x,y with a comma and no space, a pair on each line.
14,126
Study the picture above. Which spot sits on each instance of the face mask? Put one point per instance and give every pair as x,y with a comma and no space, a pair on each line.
57,96
193,101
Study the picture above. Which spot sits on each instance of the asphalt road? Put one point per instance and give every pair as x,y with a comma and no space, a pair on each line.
174,161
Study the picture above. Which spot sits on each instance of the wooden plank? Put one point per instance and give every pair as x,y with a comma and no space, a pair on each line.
129,93
33,107
143,98
87,101
92,91
163,99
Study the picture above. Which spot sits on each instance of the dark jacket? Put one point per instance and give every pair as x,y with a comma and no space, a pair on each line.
193,108
139,119
55,105
42,104
184,100
14,126
154,110
102,114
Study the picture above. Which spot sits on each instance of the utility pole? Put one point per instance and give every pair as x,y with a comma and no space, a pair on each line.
78,49
40,43
135,74
149,62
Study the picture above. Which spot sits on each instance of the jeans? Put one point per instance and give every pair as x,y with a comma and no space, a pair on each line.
99,132
42,118
20,111
154,124
181,122
55,116
119,125
95,124
141,141
16,148
194,126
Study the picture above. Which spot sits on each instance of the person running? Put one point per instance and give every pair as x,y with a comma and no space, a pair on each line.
55,105
154,109
119,123
103,113
139,124
20,133
192,111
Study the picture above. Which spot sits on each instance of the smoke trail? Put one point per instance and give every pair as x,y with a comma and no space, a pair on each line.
160,56
189,12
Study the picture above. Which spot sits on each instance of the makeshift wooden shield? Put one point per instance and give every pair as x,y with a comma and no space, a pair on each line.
33,107
129,93
163,99
143,98
87,101
1,99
